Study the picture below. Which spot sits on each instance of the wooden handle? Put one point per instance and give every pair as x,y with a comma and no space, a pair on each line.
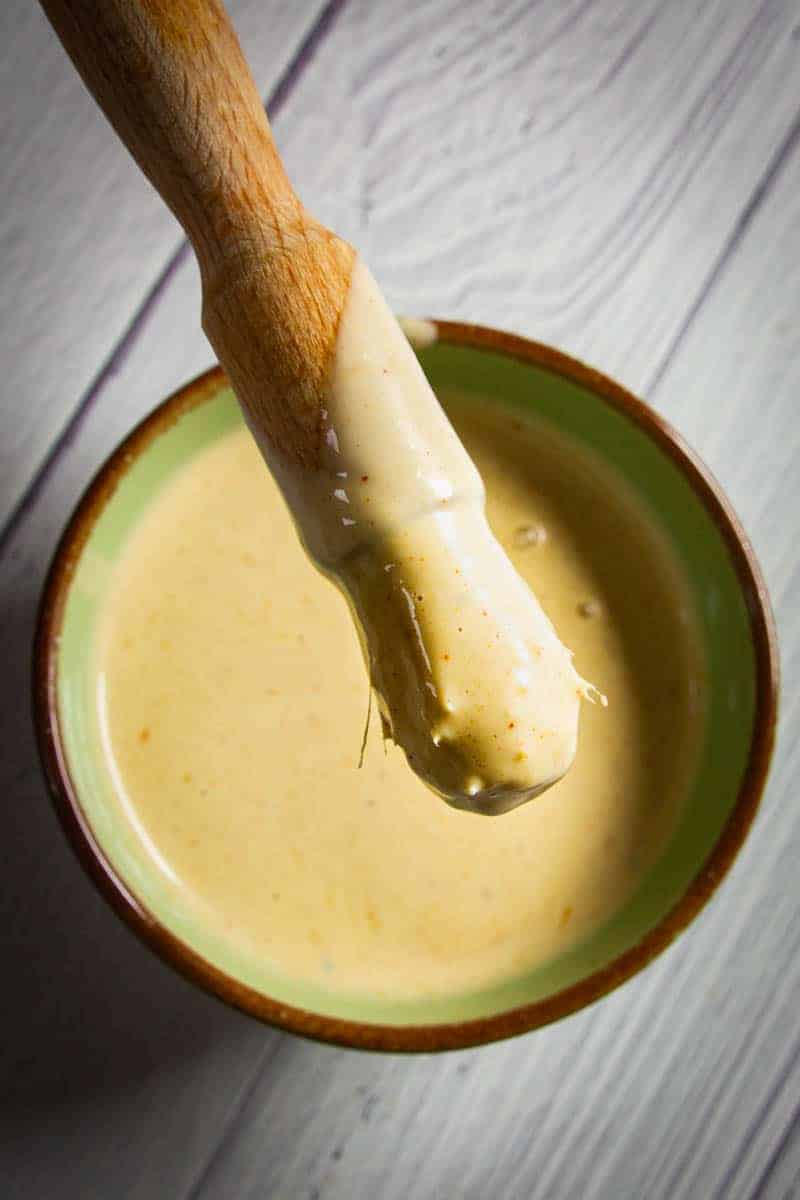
171,78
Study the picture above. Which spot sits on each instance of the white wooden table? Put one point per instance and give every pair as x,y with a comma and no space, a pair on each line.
619,177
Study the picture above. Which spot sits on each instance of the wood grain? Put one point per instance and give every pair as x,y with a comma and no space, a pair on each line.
545,167
83,238
685,1083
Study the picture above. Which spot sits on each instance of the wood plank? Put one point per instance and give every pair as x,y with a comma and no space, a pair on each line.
177,1097
544,167
733,389
83,236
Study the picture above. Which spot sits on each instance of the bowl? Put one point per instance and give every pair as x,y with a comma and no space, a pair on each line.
737,630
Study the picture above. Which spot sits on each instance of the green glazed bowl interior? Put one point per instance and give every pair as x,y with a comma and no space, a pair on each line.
736,629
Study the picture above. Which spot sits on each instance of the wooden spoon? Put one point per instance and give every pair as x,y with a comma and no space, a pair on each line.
471,679
172,80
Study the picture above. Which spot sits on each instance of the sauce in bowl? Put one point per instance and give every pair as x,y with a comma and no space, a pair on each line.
233,698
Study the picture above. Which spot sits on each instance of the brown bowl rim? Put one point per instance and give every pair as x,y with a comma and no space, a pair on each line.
447,1035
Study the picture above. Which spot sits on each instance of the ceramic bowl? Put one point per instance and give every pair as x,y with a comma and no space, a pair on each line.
736,627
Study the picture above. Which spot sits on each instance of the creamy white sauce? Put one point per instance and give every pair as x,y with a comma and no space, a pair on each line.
471,678
419,332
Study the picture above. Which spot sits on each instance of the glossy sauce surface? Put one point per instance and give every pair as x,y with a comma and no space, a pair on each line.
233,692
394,512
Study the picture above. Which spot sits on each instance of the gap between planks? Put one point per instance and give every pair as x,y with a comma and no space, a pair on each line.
756,200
